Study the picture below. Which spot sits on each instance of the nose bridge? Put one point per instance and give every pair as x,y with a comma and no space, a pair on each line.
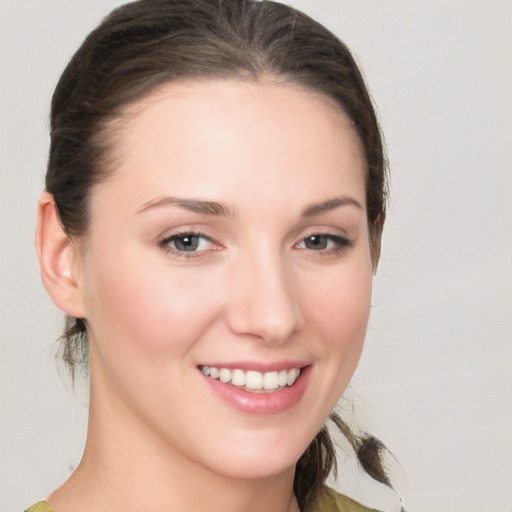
265,303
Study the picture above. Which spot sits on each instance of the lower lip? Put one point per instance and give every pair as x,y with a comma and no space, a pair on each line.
261,403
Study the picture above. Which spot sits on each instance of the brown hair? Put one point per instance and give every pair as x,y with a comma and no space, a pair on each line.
147,43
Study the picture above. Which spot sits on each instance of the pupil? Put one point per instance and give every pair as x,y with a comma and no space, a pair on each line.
187,243
316,242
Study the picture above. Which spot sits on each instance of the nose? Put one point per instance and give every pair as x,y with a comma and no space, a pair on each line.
264,300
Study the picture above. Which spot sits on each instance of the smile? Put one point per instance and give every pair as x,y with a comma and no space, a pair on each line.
253,381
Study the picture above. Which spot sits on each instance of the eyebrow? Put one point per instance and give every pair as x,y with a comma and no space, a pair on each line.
330,204
193,205
221,210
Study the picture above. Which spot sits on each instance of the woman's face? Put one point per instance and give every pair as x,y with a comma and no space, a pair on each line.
230,242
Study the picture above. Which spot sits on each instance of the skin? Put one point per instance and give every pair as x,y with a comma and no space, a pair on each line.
255,290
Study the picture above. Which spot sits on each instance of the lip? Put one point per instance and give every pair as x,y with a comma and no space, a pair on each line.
261,404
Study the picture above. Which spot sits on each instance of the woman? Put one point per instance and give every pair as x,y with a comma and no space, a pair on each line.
214,204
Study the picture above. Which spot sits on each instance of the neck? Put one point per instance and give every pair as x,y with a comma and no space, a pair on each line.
126,467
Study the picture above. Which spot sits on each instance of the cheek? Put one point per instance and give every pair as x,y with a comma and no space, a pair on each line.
341,305
339,311
150,310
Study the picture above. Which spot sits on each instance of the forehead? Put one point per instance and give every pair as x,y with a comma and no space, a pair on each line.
196,137
241,102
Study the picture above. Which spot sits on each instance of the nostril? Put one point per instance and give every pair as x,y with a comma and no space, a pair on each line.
263,304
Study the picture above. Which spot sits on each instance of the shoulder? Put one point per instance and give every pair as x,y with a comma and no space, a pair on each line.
42,506
331,501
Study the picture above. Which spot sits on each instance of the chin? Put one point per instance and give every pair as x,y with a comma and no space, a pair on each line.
245,468
258,457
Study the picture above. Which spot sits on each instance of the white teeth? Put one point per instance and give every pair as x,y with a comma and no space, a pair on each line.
225,375
238,378
292,376
283,378
253,380
270,380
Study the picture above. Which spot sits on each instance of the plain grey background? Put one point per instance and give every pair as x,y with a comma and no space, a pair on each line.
435,379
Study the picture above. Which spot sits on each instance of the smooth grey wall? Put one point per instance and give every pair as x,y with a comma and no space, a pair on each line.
435,379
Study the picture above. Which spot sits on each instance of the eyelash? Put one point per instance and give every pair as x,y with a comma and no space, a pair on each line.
165,244
341,244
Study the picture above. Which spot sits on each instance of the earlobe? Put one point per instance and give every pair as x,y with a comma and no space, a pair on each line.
57,259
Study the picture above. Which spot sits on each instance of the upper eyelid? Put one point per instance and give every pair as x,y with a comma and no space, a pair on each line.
330,236
170,237
189,232
177,232
328,232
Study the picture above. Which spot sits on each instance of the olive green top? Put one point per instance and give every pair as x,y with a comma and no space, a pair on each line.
330,501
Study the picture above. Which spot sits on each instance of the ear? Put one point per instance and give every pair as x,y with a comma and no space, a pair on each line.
58,259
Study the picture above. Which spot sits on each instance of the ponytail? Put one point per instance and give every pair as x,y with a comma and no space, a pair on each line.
319,460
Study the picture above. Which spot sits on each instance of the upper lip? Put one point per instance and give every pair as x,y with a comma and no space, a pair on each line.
262,367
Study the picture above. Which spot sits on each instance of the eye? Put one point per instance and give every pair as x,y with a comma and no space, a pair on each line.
324,242
186,244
